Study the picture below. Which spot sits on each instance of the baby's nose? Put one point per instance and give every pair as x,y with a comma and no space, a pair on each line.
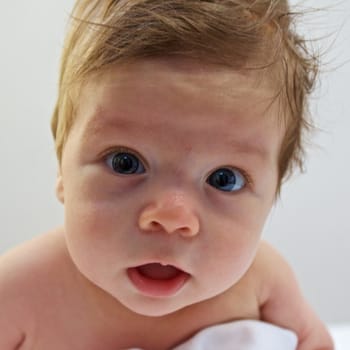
173,214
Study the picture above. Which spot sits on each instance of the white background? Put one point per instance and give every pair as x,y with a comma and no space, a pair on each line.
311,223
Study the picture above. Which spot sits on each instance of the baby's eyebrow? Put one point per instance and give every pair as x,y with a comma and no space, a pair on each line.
98,123
102,121
250,149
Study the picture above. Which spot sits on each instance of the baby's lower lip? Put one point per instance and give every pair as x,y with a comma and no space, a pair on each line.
153,283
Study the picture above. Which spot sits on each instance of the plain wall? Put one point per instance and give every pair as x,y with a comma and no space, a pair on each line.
310,224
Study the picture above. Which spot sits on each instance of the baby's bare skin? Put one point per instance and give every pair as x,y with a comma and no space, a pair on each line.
54,307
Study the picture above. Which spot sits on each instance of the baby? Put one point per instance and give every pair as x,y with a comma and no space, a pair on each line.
176,123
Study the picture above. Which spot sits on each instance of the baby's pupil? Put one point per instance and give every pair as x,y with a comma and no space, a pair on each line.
224,177
124,163
221,179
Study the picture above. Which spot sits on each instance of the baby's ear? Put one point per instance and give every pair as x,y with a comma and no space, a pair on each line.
59,187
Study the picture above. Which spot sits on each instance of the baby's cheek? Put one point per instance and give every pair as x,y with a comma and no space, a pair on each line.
92,217
234,243
88,237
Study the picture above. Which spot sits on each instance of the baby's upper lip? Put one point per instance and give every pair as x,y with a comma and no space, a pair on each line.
162,262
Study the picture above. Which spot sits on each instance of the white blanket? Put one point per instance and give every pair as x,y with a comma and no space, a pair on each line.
241,335
341,335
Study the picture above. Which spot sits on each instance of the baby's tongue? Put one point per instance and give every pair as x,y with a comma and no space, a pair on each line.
158,272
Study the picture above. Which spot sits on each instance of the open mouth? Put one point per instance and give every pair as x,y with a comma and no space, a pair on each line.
157,280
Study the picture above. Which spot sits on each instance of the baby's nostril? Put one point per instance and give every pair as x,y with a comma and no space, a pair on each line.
155,225
184,231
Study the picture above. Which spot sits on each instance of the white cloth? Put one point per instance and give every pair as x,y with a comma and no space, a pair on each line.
341,335
241,335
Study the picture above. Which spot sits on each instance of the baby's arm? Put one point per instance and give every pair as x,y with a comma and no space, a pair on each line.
283,304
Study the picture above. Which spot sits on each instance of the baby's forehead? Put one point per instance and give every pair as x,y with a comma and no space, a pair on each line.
187,76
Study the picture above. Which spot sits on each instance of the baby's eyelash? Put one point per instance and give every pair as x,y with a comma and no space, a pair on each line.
114,149
120,149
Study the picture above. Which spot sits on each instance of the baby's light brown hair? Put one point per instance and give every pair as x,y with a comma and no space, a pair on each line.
241,34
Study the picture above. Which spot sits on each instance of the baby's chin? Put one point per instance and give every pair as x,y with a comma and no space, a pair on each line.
162,307
151,307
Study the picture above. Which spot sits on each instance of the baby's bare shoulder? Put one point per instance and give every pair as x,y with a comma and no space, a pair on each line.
267,268
36,263
267,256
25,273
32,260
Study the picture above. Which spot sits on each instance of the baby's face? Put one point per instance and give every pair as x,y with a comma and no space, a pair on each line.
167,177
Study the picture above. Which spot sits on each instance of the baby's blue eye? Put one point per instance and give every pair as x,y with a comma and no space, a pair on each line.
227,180
125,163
